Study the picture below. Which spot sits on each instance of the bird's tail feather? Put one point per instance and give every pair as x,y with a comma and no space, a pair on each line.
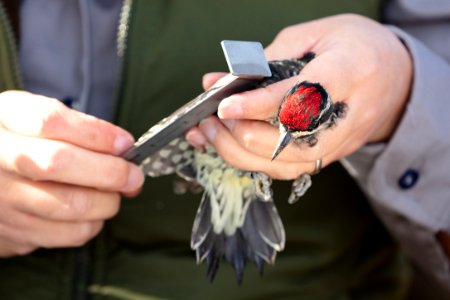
259,238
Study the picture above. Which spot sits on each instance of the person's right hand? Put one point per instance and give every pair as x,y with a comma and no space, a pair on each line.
358,62
60,175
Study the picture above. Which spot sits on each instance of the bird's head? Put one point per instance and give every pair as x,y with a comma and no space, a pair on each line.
303,111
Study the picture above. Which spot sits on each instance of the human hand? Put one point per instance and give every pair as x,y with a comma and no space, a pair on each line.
358,61
60,176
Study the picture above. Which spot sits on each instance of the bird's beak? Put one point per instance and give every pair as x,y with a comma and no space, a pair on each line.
285,138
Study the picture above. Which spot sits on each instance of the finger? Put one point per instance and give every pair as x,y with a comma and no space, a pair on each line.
58,202
255,138
230,150
195,137
133,193
261,138
25,229
258,104
28,114
28,229
48,160
209,79
9,248
68,234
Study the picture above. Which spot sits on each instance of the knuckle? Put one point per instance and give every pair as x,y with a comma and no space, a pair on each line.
100,133
119,174
78,204
249,140
53,118
82,205
46,165
41,204
55,161
67,205
285,33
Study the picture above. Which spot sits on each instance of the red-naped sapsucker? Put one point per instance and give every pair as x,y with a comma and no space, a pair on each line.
237,219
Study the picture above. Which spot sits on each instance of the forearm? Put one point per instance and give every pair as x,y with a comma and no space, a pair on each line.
407,178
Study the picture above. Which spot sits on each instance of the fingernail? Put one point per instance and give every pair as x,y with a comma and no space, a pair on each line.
209,129
135,179
230,108
229,123
122,143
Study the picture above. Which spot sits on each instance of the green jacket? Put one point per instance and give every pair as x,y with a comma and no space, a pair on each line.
336,248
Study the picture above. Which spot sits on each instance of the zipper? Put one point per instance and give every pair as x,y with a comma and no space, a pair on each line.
121,43
82,273
122,30
15,79
82,277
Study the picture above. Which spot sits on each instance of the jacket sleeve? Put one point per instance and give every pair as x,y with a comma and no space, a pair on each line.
408,179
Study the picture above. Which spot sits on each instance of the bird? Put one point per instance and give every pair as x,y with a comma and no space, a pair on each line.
305,110
237,219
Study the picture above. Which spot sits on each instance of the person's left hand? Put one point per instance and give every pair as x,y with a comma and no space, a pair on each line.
358,61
